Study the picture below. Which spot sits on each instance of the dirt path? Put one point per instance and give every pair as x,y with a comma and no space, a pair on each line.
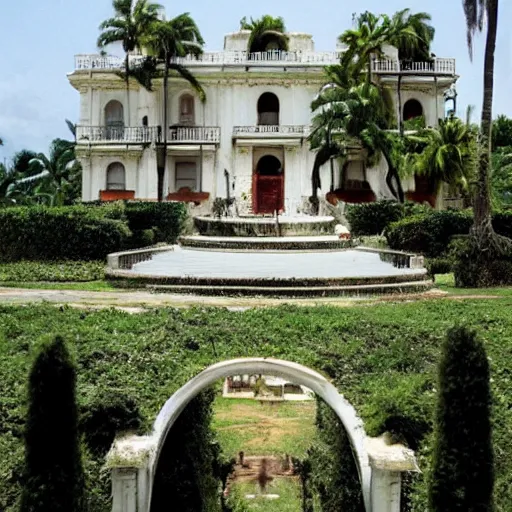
138,300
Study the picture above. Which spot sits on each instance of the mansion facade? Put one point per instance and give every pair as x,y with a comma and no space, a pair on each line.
248,140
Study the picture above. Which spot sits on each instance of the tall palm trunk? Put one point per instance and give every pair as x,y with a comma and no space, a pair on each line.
393,173
162,164
127,72
482,227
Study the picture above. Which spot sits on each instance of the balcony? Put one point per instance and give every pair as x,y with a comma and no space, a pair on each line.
115,135
437,67
102,135
194,135
272,58
266,130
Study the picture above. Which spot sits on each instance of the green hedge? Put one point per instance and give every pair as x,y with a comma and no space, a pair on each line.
155,222
86,232
59,233
428,234
369,219
431,233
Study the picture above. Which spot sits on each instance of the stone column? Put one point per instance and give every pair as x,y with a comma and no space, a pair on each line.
388,462
128,460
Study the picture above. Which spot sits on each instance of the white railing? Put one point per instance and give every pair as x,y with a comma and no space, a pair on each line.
116,134
97,61
299,129
146,134
436,66
194,134
225,58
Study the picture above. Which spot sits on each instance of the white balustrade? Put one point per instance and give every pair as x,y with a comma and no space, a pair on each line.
146,134
299,129
436,66
272,57
194,134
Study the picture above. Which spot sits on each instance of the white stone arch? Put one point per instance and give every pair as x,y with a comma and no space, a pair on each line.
297,373
133,460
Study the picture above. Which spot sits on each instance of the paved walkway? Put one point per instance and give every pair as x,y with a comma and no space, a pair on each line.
138,300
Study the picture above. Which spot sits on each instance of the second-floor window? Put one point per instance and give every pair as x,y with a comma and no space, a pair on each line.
187,117
114,120
268,109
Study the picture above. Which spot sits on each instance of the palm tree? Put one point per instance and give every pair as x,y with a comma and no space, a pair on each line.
265,30
476,11
361,115
448,156
129,26
412,35
167,42
57,176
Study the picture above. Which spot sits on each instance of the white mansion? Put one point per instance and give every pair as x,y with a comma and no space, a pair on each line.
248,140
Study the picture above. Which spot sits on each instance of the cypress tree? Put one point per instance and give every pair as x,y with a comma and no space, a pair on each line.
463,474
53,477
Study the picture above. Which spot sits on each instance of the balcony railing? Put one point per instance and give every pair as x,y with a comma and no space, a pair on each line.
116,134
146,135
194,134
435,67
265,129
225,58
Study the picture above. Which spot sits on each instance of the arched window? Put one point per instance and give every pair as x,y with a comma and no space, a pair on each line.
268,109
412,109
269,165
186,176
187,110
145,121
116,176
114,120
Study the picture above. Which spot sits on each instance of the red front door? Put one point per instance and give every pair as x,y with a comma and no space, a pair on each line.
267,193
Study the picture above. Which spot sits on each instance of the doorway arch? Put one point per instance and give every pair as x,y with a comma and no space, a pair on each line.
412,109
268,185
268,109
295,372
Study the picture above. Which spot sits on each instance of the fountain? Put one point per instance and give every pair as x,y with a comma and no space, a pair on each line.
294,256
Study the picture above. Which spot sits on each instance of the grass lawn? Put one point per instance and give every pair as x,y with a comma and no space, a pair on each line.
289,496
89,286
446,282
264,429
382,357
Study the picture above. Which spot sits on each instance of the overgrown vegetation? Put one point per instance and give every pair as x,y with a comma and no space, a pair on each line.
383,359
333,479
52,271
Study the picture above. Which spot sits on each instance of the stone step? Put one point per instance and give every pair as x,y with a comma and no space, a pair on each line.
412,287
291,243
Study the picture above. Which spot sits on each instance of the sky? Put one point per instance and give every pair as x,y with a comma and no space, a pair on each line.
40,38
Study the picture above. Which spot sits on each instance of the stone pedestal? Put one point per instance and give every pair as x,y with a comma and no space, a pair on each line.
388,462
128,460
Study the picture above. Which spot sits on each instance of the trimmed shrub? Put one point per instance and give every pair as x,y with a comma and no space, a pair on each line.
428,234
59,233
463,464
164,219
439,265
108,414
53,476
474,269
369,219
373,218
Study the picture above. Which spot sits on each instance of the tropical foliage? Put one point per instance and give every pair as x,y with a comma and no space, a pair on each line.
267,33
449,155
